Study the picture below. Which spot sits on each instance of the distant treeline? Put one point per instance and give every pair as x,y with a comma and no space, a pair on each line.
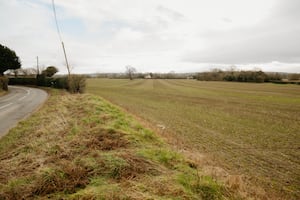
170,75
246,76
256,76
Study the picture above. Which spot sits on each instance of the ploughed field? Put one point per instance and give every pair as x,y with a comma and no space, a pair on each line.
246,128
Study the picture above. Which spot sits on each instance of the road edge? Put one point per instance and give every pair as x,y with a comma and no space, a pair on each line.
5,132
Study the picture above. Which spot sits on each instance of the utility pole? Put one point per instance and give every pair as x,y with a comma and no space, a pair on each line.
62,43
67,63
37,65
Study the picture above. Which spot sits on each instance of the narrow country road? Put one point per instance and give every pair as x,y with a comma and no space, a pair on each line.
19,103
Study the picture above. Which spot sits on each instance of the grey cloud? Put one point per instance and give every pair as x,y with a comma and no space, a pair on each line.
283,46
277,38
288,9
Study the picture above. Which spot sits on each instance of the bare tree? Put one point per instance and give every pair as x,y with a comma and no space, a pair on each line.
32,71
28,71
25,72
130,71
15,72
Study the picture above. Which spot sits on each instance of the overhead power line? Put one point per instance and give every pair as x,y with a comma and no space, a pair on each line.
56,23
59,35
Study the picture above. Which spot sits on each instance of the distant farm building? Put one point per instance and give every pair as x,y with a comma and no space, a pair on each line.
148,76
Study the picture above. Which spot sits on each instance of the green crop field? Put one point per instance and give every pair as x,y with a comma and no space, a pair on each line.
249,129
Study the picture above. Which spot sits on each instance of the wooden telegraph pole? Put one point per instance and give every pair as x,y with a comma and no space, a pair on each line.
37,66
62,43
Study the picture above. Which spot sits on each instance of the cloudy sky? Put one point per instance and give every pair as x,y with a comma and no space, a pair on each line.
155,35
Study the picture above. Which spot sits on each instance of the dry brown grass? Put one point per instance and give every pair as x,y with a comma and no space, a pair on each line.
66,176
106,140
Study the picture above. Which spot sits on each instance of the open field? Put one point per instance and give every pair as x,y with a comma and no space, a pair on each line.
248,129
82,147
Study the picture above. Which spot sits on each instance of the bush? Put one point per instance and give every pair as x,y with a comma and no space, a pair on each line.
22,81
76,84
60,83
3,83
41,80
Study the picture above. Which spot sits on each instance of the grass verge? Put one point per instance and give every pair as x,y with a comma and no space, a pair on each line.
82,147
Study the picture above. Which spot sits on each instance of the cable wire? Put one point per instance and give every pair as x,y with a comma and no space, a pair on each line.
59,35
56,23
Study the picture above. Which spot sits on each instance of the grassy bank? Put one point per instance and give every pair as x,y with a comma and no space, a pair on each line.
82,147
251,130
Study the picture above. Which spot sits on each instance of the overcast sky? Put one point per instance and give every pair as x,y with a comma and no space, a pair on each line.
155,35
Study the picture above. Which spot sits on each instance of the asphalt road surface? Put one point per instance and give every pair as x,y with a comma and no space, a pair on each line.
19,103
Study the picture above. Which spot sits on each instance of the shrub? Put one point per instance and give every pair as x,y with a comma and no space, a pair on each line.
60,82
76,84
22,81
41,80
3,83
